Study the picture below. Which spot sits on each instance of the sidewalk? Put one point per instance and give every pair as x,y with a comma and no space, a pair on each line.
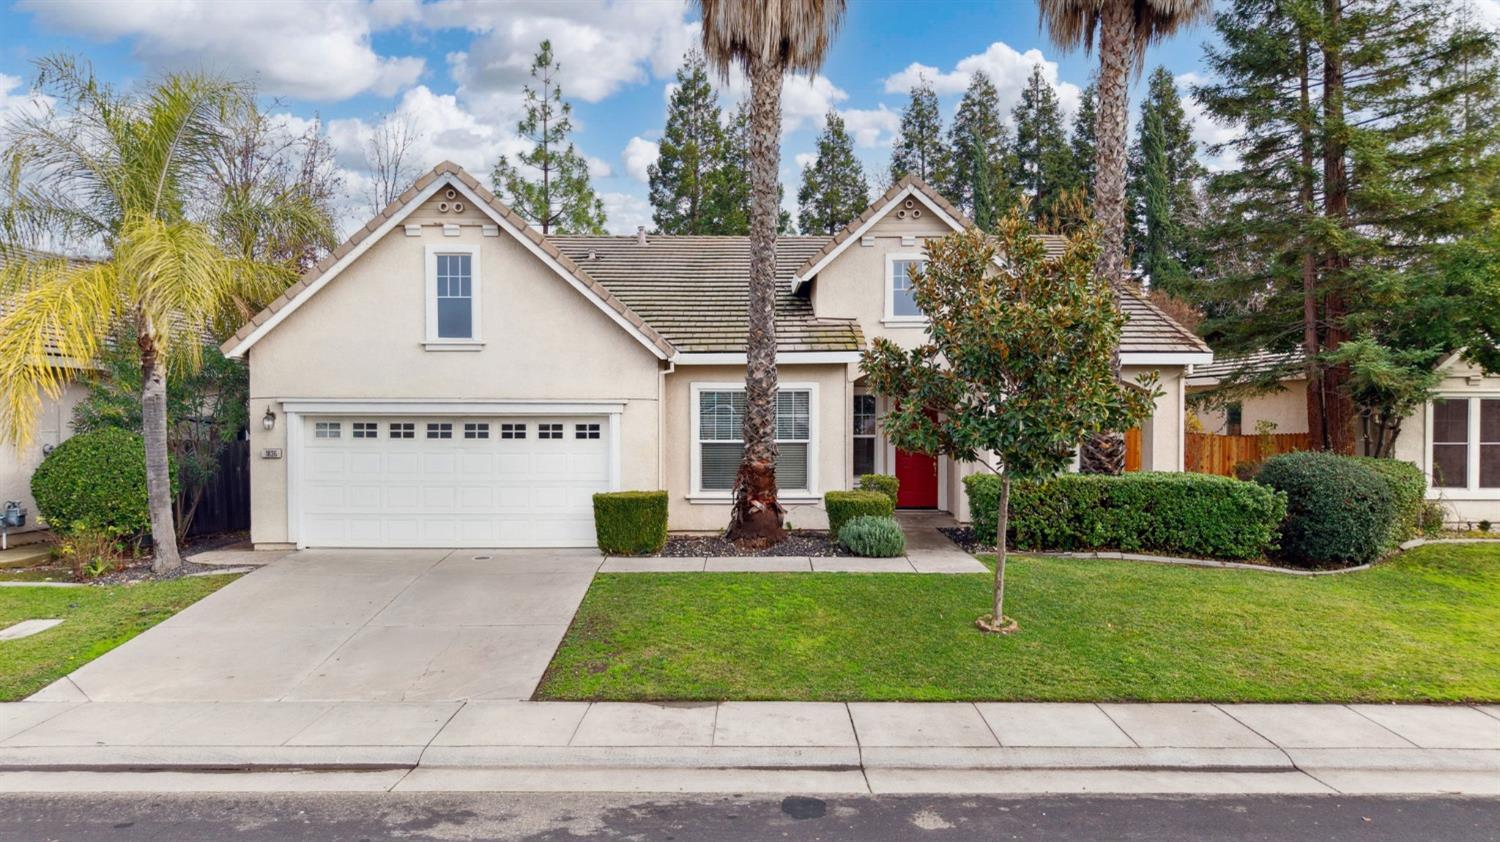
749,747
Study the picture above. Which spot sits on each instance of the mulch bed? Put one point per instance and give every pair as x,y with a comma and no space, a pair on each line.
799,543
966,537
139,569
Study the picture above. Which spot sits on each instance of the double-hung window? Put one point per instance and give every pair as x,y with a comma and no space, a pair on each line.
1466,443
864,435
900,306
452,296
720,444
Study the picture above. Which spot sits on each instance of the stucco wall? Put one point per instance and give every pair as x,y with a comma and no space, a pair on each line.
362,337
1287,409
54,425
689,511
1162,436
1460,505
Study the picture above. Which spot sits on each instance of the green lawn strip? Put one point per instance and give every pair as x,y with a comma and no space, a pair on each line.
95,620
1420,627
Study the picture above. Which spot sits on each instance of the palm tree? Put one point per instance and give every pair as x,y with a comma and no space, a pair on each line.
1124,28
767,39
115,174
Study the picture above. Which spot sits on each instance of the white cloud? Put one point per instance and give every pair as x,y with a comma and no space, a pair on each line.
1206,131
804,160
303,48
1008,68
805,100
639,154
624,212
598,167
1488,12
601,46
17,100
872,127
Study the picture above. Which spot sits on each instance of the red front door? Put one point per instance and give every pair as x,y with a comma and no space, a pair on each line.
918,474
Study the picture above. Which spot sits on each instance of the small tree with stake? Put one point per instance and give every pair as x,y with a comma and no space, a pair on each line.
1017,362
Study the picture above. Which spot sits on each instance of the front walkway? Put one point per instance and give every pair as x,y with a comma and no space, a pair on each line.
355,625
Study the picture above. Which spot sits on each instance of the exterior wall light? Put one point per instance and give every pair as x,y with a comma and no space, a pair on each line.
269,419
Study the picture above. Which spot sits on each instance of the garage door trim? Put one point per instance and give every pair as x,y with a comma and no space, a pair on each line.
295,410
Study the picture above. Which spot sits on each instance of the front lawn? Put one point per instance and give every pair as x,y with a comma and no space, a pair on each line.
96,619
1421,627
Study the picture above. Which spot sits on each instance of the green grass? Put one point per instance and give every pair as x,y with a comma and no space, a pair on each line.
95,620
1422,627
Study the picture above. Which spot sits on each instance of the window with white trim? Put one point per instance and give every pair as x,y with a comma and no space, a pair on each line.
479,430
585,431
721,418
327,429
440,431
549,431
899,302
403,430
453,287
1465,443
366,430
864,435
512,431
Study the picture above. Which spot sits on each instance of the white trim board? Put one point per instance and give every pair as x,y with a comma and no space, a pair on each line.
425,406
444,180
1167,358
784,358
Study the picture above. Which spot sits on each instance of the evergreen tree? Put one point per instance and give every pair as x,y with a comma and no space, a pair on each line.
1358,180
729,191
549,185
692,150
1082,141
1042,162
919,148
1162,202
977,178
834,189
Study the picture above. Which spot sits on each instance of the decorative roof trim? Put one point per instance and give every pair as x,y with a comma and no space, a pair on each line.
445,174
782,358
1166,358
910,186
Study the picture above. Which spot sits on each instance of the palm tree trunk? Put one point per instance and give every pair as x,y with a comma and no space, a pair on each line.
756,518
1104,453
158,466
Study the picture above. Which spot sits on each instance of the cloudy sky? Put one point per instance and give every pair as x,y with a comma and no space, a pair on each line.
455,68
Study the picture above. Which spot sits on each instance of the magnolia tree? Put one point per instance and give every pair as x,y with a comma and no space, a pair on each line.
1016,366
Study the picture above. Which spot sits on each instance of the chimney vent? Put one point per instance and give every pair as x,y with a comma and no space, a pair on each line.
640,235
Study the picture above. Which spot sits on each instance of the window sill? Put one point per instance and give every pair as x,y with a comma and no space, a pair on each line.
706,498
897,321
453,345
1463,494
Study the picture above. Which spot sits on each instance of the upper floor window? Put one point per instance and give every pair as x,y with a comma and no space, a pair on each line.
899,303
452,294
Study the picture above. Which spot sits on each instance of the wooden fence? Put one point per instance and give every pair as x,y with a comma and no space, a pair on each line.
225,506
1212,454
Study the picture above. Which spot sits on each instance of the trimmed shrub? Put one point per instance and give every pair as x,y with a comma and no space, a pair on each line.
884,483
1173,514
873,537
1410,487
96,482
1339,510
631,522
845,505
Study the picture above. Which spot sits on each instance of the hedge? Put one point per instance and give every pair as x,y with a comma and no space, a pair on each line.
884,483
869,536
96,481
1410,488
631,522
1340,510
1173,514
843,505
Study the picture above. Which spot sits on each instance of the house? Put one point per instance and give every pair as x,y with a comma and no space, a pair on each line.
450,377
1454,439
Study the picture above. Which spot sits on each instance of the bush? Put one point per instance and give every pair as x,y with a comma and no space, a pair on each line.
1339,510
1410,487
1172,514
873,537
884,483
631,522
845,505
96,482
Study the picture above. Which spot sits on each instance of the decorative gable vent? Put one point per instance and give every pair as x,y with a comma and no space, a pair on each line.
450,203
909,209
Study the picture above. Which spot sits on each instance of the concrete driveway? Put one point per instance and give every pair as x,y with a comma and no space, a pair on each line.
359,625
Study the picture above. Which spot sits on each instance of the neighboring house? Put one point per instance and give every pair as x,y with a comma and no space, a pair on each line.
450,377
1455,439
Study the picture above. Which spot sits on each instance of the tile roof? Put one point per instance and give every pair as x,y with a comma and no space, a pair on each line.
448,168
1260,362
1151,331
695,289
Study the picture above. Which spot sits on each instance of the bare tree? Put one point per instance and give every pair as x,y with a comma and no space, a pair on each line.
391,159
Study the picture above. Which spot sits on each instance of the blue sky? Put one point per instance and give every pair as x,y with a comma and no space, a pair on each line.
453,68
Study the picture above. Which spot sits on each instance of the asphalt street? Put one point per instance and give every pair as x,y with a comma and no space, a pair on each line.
333,818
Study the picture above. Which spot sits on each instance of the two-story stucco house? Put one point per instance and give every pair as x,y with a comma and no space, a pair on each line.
450,377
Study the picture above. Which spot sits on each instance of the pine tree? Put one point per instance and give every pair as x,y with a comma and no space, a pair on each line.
692,149
977,178
919,149
549,185
834,189
1162,202
728,195
1082,141
1357,177
1042,162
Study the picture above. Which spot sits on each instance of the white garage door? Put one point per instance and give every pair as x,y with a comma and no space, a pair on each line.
451,481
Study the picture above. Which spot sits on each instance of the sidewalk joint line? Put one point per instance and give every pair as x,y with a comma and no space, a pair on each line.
987,725
1409,741
1121,728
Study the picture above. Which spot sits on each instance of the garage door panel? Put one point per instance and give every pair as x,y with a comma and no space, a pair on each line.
460,491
